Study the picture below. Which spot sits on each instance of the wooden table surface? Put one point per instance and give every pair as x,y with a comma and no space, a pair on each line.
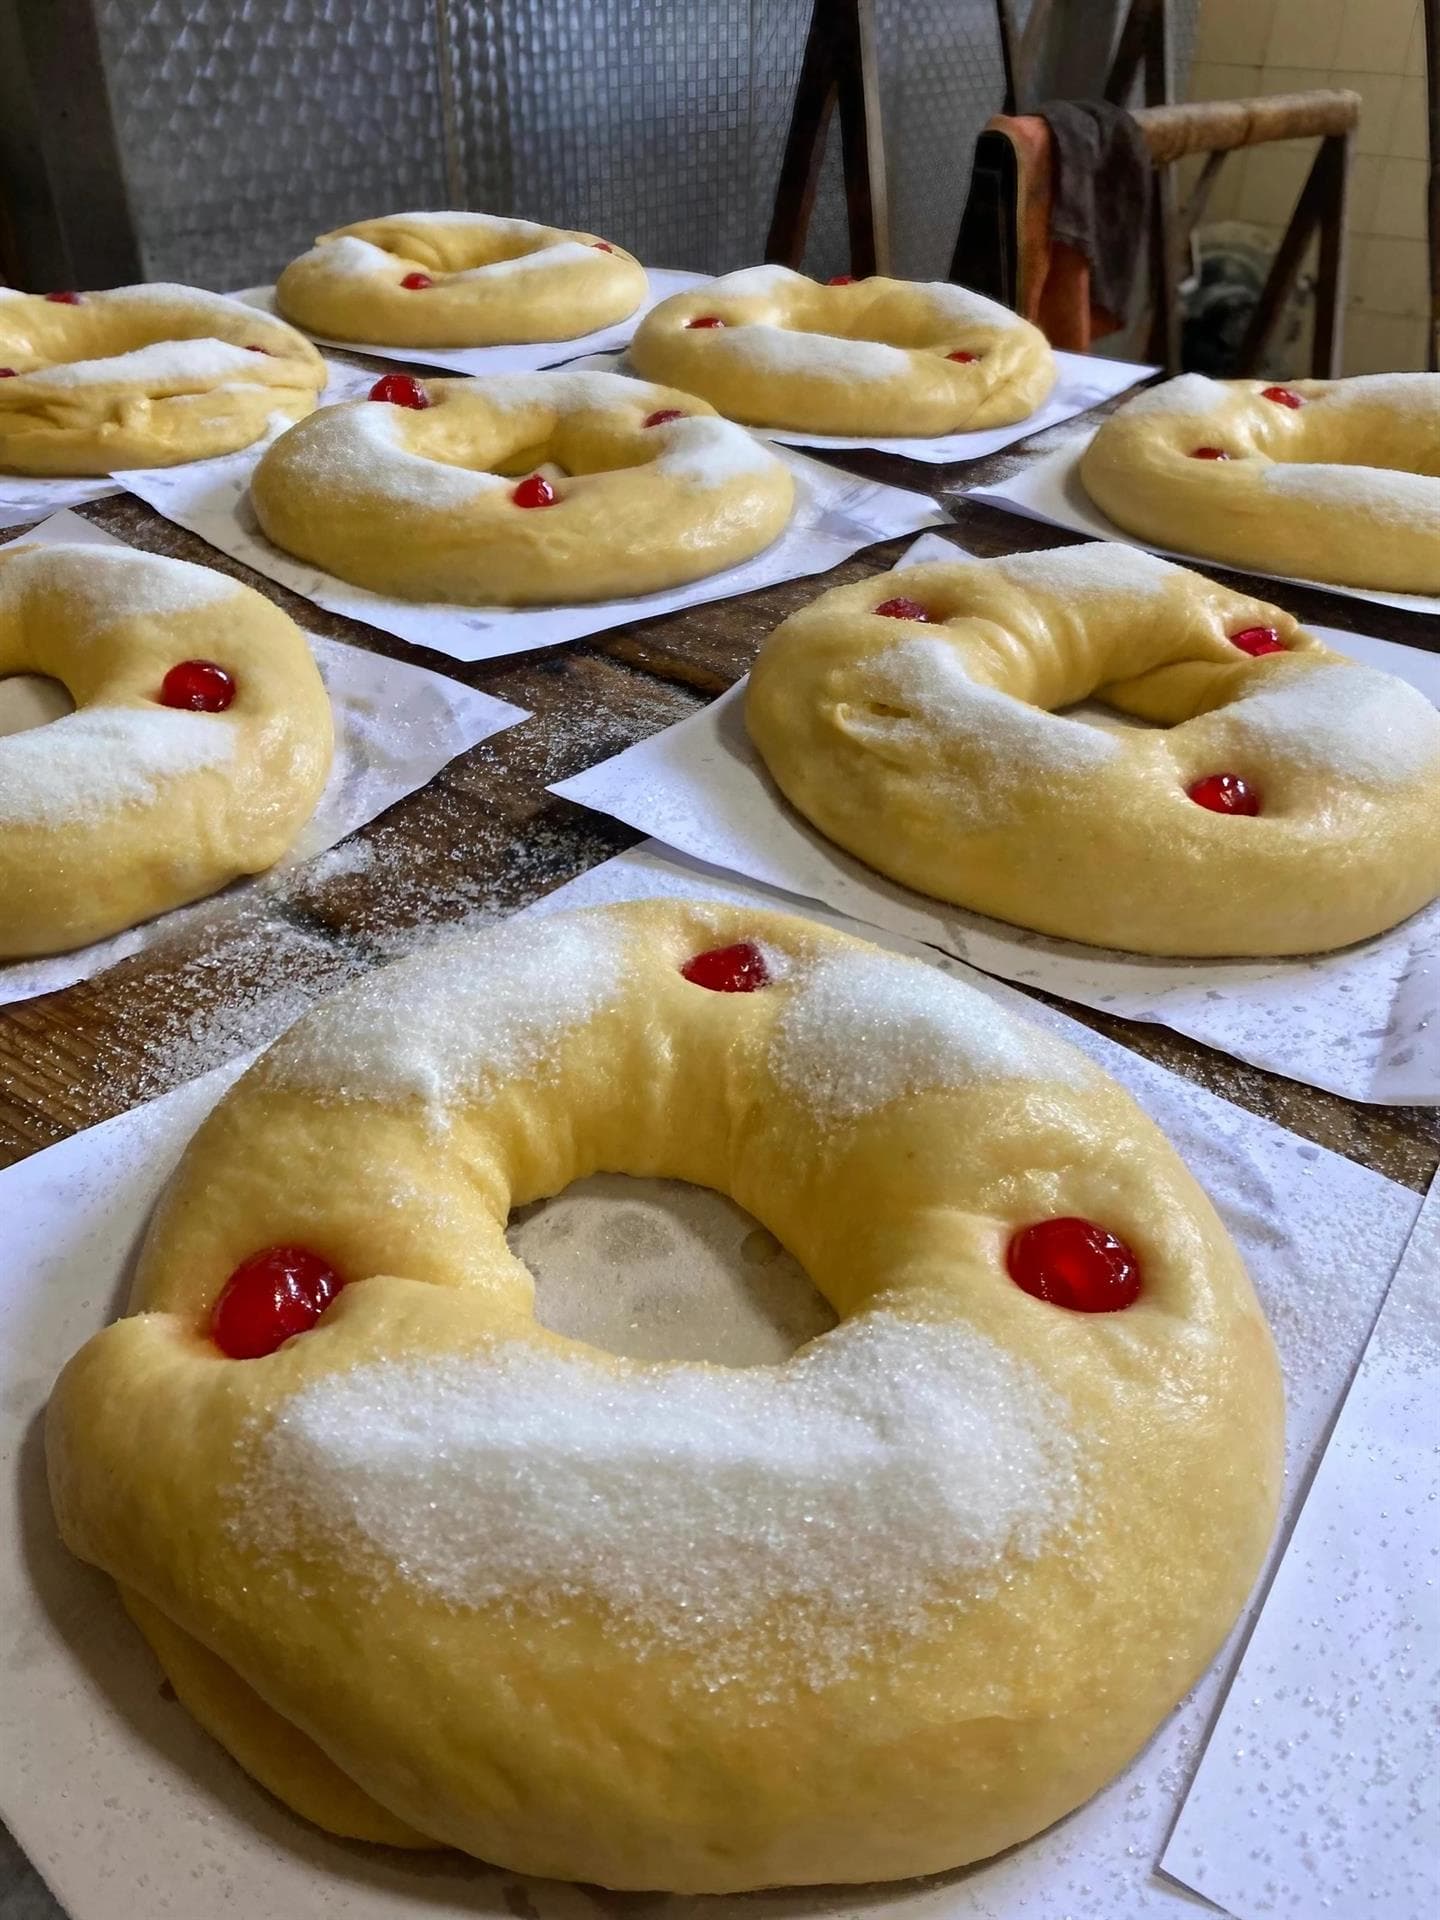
486,836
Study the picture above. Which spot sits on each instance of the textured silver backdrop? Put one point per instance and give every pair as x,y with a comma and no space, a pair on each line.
248,126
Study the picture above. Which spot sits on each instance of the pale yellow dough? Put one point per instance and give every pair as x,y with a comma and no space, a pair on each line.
937,753
418,502
1344,487
495,282
893,1127
145,376
868,358
126,807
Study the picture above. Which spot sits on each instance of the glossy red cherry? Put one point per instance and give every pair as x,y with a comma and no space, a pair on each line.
602,246
7,373
901,608
1282,396
1074,1263
269,1298
706,320
1209,453
413,282
841,280
737,969
965,359
660,419
66,299
197,686
534,491
1258,641
400,390
1225,793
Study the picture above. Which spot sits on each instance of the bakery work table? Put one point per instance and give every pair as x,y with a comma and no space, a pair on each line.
486,836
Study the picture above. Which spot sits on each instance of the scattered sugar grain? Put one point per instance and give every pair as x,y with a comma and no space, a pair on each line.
886,1470
859,1030
1353,721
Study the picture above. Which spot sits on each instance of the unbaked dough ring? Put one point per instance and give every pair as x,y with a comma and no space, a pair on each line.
872,357
491,282
892,1605
424,503
935,752
143,377
1343,486
128,806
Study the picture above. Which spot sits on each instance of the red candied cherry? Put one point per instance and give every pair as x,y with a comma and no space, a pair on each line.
253,349
965,359
269,1298
706,320
663,417
413,282
900,608
7,373
1209,453
1074,1263
534,491
737,969
399,390
602,246
841,280
1258,641
197,686
1225,793
66,299
1282,396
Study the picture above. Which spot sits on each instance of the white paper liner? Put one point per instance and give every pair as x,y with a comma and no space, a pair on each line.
24,497
836,514
126,1806
1359,1022
1050,490
396,726
1328,1728
1084,381
529,358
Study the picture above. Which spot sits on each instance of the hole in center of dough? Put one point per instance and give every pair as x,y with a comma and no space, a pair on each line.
31,700
660,1270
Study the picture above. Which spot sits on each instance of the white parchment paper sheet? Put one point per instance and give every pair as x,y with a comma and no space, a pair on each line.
1084,382
25,497
126,1806
1360,1022
396,726
514,359
836,514
1050,490
1328,1731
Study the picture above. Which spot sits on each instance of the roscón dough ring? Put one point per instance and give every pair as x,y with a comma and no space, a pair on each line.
1285,801
626,489
199,744
1335,480
433,1571
143,377
875,356
458,280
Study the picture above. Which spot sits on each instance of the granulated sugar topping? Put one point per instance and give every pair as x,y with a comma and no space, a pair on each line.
101,759
828,356
709,452
1354,722
1190,393
1377,493
889,1469
359,451
862,1028
1102,567
352,256
106,584
471,1013
559,253
169,363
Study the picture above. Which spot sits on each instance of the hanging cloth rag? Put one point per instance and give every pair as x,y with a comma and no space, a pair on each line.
1056,219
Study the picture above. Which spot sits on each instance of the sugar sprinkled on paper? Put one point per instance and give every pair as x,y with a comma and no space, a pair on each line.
885,1470
860,1029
